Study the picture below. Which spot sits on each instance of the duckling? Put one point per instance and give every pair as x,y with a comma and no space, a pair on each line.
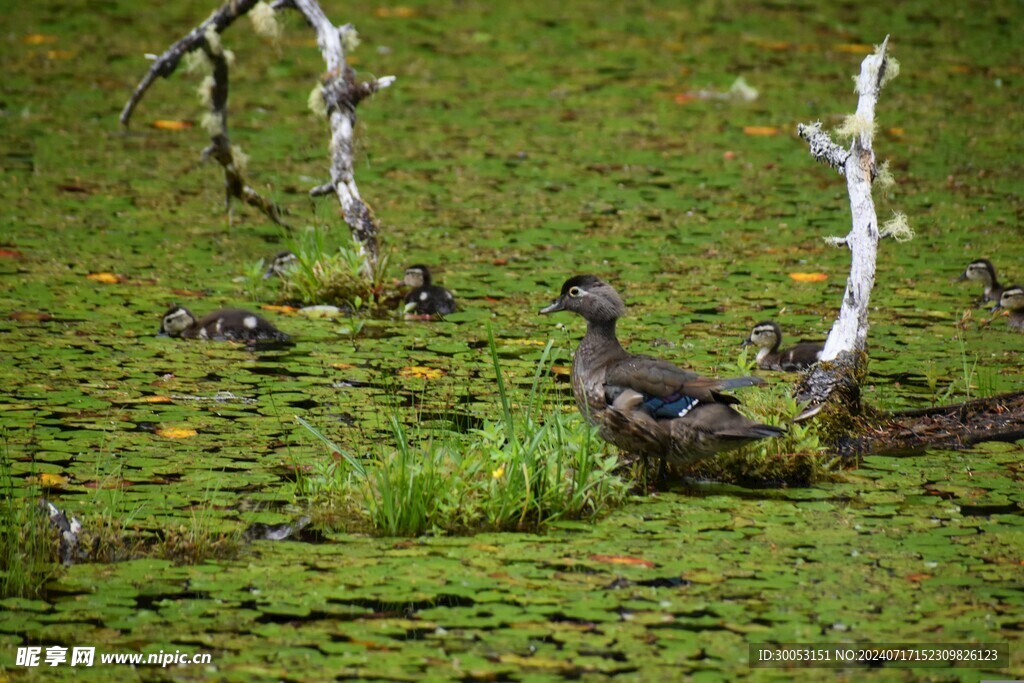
426,298
281,263
767,336
1012,299
229,324
647,405
984,272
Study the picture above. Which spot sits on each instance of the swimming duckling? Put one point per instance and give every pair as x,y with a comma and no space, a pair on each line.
228,324
984,272
647,405
426,298
767,336
280,264
1012,300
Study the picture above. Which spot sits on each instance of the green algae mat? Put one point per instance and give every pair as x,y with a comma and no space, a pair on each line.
521,144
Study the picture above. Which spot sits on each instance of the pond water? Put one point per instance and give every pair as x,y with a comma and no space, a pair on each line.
520,145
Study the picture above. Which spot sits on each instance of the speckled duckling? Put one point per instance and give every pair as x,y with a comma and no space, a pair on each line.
228,324
767,337
646,405
280,264
1012,300
426,298
984,272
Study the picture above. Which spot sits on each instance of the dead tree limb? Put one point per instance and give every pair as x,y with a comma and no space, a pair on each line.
206,37
342,93
843,361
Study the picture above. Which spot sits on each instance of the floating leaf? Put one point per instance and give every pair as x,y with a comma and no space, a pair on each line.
11,253
156,399
167,124
420,372
399,12
342,366
59,54
684,97
623,559
106,278
760,130
38,39
49,480
278,309
29,315
808,277
176,432
855,48
560,370
897,132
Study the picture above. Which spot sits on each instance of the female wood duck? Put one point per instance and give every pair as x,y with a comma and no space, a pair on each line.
647,405
984,272
229,324
280,264
1012,300
767,336
426,298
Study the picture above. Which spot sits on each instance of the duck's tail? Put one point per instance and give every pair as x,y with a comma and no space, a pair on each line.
738,382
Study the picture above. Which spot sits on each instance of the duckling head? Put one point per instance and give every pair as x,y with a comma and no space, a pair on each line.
765,335
281,263
981,271
1012,299
176,320
416,276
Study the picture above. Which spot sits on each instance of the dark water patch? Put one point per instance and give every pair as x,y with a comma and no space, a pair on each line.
968,510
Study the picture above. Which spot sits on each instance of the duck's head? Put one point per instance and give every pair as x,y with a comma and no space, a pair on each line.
1012,299
416,276
980,271
591,298
765,335
280,264
176,320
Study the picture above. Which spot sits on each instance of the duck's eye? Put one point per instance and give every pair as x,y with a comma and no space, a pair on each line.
575,292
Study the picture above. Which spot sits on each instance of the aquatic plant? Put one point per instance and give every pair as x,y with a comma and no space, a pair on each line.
28,551
535,464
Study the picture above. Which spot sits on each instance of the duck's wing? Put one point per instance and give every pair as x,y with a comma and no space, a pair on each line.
667,390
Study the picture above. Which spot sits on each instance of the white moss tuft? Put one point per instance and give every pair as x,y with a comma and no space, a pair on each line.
240,158
229,57
854,126
834,241
316,102
264,22
205,91
883,176
898,228
212,39
349,38
213,123
197,62
892,70
741,90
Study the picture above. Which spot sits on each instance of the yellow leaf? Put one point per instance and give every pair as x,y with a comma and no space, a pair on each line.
342,366
896,132
420,372
156,399
166,124
49,480
400,12
176,432
622,559
59,54
760,130
278,309
523,342
855,48
105,278
38,39
29,315
560,370
808,277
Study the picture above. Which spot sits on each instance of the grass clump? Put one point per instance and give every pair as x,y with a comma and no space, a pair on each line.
529,467
28,549
797,458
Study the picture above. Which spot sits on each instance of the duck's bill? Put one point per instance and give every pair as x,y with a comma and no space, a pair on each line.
555,306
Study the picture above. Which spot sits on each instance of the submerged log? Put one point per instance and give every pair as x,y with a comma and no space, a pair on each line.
954,427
